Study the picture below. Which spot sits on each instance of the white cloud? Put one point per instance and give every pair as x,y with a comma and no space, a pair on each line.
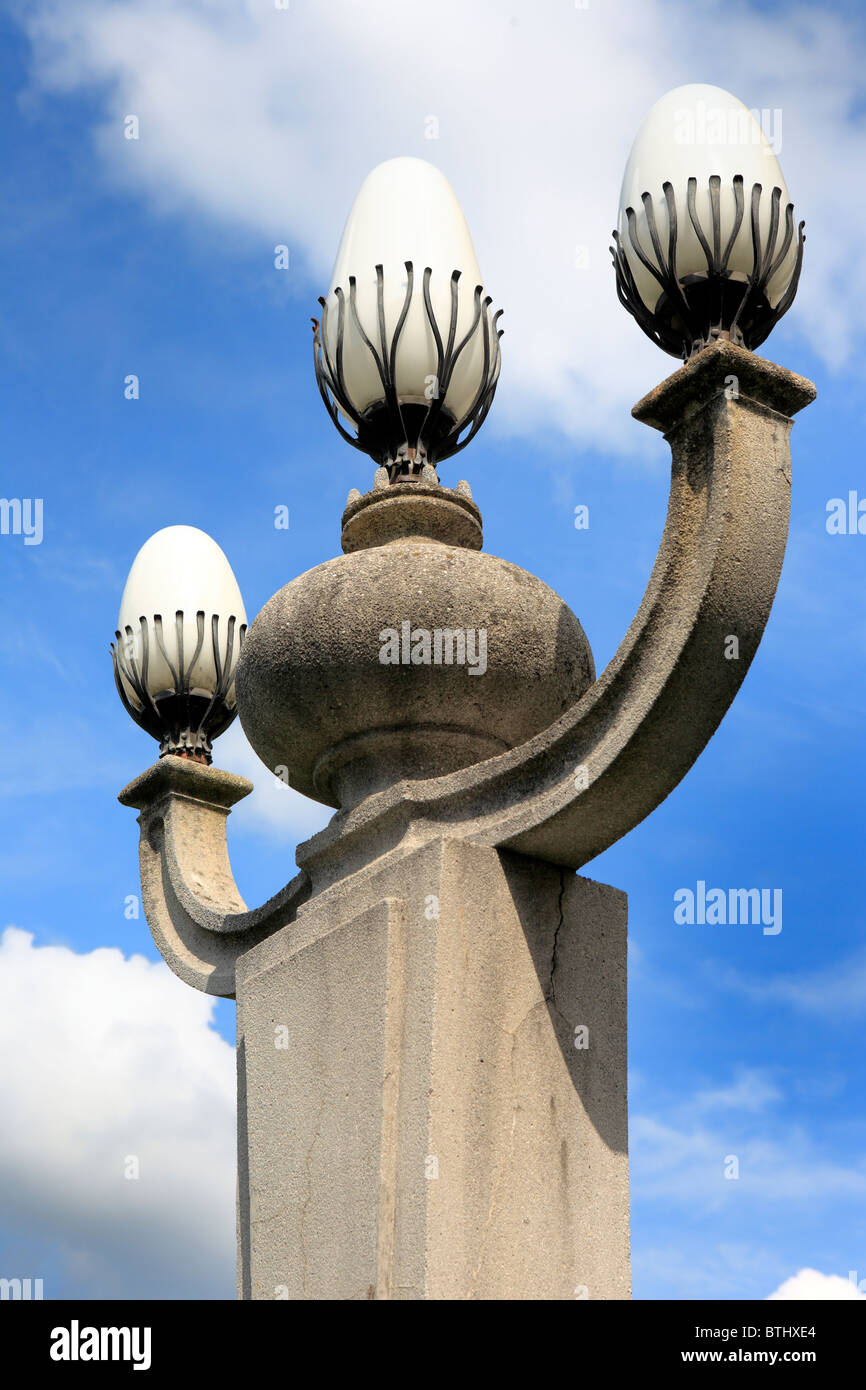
272,808
751,1092
685,1156
105,1058
266,120
808,1283
696,1268
687,1163
838,992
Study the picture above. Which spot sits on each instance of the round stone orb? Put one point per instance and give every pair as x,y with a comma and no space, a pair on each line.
411,655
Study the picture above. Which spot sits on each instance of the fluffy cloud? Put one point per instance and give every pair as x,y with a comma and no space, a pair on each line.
265,120
808,1283
109,1060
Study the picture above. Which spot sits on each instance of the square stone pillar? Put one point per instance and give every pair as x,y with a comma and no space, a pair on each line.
432,1086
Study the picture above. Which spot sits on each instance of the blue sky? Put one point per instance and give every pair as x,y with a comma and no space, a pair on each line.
157,258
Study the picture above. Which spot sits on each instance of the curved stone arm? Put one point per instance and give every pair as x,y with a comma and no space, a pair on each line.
573,790
198,919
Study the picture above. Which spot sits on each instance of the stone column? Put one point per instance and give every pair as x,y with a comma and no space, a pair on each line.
432,1070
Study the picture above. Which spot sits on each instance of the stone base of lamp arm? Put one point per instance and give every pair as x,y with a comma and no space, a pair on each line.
198,919
432,1085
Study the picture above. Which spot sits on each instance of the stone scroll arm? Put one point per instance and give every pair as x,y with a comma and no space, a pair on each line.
570,792
198,919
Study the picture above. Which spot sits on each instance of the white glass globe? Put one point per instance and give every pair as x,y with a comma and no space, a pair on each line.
180,569
700,131
405,211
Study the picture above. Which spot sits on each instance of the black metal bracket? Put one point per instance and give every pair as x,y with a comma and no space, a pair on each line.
717,303
182,719
403,436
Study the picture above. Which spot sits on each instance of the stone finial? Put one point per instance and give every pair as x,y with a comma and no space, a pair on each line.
359,673
380,479
411,510
463,489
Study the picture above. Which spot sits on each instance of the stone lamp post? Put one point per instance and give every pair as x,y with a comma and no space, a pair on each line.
432,1013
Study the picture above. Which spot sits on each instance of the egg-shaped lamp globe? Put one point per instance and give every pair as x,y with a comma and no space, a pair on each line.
179,634
407,350
706,244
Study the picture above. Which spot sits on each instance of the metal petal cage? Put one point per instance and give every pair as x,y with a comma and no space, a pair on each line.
183,719
692,311
402,436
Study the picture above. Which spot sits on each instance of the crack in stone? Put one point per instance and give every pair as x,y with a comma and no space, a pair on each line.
550,996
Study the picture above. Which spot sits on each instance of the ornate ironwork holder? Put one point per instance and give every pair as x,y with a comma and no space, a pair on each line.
183,719
720,303
403,436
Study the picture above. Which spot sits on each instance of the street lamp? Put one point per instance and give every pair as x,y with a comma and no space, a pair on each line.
446,1116
407,350
179,635
706,246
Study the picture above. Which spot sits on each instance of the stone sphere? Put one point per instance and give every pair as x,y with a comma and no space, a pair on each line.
408,657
